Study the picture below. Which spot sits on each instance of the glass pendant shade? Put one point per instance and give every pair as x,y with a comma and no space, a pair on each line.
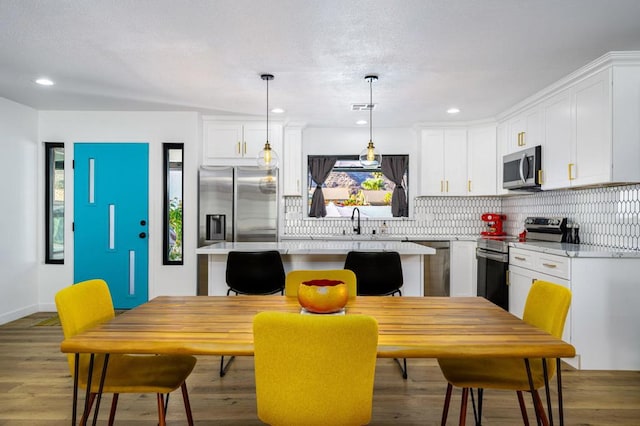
267,157
369,157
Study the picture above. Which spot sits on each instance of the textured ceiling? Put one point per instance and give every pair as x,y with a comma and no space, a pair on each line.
482,56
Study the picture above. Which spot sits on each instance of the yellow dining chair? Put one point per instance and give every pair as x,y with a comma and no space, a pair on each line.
314,369
546,307
87,304
295,277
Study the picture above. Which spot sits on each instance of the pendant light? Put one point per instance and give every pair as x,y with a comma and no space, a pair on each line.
369,157
267,157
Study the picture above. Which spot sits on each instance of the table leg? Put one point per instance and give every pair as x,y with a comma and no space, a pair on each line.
102,379
532,390
546,388
87,398
560,407
76,368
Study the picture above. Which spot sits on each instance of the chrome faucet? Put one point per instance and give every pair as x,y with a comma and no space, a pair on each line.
357,228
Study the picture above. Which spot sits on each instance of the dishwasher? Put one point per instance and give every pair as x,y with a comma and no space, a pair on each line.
436,268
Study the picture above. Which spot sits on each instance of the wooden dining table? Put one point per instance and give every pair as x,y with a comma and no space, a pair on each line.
409,327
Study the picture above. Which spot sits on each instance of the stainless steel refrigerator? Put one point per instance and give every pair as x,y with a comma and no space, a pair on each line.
235,204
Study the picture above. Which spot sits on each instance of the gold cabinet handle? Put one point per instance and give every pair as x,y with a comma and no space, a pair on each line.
520,258
540,176
549,265
447,186
441,186
570,171
244,150
524,142
238,147
508,277
469,185
520,139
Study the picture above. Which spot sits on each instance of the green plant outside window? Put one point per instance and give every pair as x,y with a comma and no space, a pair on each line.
173,214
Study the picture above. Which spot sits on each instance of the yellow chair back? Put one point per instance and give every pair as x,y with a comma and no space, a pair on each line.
295,277
547,306
314,369
83,306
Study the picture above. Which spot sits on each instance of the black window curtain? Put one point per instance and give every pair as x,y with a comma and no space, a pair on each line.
394,168
319,168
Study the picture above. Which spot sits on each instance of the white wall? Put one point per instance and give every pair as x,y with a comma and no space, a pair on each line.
19,172
153,128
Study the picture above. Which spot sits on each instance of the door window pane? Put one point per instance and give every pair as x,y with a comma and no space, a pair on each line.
54,202
173,178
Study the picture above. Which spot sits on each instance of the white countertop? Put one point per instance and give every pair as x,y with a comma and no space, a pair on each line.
575,250
319,247
379,237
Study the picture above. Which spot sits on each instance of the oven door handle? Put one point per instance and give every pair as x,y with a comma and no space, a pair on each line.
498,257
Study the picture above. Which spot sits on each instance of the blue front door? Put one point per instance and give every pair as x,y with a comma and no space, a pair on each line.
111,218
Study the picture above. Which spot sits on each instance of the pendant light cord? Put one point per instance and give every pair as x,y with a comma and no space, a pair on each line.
370,110
267,110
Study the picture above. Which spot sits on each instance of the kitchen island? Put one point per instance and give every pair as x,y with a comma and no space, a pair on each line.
317,254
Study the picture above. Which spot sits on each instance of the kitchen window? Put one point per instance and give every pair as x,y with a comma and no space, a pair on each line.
173,188
350,185
54,202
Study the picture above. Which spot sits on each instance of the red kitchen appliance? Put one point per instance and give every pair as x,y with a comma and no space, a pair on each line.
493,224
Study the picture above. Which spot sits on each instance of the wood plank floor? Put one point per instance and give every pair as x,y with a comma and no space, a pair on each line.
36,388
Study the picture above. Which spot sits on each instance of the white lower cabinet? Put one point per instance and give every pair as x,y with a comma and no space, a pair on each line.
463,267
525,267
520,280
603,317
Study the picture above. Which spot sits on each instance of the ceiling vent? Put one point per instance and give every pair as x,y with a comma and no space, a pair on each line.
363,107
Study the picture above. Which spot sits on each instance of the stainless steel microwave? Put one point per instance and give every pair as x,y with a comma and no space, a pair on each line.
522,169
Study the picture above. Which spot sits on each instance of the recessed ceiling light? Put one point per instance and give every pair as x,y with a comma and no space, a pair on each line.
453,110
277,110
44,82
361,122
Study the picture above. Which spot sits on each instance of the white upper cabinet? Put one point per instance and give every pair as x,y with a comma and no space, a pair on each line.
577,149
556,151
587,124
292,161
524,130
443,165
234,142
458,161
501,149
481,160
592,131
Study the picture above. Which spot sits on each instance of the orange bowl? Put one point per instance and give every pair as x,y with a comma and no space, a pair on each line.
323,296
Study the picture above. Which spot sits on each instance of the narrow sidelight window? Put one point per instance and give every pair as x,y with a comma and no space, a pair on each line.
173,189
54,202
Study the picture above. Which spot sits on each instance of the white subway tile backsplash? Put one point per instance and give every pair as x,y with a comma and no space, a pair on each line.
608,216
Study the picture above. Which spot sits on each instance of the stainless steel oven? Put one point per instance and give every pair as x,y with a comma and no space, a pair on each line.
493,261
